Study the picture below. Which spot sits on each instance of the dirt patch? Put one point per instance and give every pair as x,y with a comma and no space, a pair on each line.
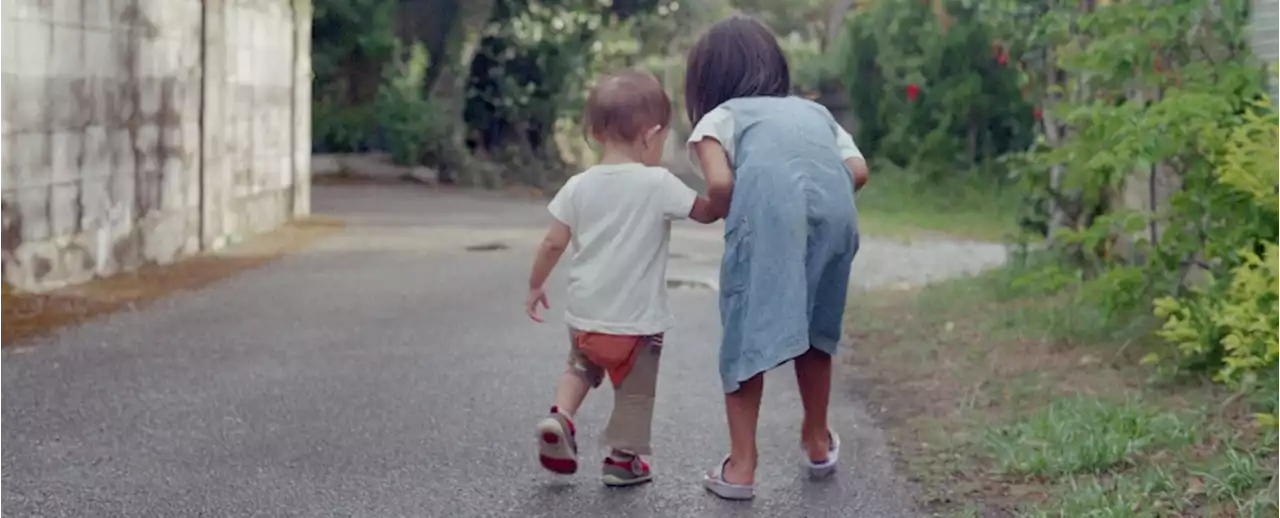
31,314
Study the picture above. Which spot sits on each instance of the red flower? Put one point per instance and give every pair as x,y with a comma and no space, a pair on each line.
913,92
1037,114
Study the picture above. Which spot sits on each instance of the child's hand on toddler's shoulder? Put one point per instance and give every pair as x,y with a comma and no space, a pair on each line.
536,296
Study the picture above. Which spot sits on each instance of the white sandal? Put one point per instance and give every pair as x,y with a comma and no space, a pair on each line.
717,485
827,467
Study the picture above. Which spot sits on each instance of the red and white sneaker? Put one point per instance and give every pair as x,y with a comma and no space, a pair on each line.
557,448
626,472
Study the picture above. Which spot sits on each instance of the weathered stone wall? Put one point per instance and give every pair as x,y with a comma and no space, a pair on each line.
140,131
1263,28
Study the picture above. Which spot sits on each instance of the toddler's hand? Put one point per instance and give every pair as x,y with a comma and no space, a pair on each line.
536,296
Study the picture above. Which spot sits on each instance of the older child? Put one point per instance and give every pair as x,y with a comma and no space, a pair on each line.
617,215
785,173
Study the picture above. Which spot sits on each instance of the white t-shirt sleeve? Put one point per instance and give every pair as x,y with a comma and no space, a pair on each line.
676,197
848,149
717,125
561,206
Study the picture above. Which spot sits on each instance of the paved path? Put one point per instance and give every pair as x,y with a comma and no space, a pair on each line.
389,372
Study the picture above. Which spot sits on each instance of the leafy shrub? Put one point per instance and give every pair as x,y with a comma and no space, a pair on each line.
932,93
415,128
1229,323
351,39
1156,95
343,128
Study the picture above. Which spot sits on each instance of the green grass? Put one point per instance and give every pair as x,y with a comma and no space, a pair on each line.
1007,398
898,206
1030,312
1234,474
1150,493
1086,435
1236,483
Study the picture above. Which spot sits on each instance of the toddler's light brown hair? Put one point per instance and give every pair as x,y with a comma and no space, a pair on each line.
623,106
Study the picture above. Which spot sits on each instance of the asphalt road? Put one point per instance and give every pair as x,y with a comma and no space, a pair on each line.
389,372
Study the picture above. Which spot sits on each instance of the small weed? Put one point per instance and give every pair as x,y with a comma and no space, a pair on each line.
1269,441
1083,435
1261,507
1235,478
1262,396
1150,493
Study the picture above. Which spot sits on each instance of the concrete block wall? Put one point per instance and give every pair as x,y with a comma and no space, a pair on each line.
1264,26
253,136
140,131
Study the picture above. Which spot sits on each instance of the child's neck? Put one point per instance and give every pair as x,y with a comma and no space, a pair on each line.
615,154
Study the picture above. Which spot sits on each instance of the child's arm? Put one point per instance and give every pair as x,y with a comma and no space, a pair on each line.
718,173
861,173
553,245
549,252
852,157
680,202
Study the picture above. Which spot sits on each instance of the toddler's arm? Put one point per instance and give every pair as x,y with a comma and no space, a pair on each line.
549,252
679,201
552,247
702,211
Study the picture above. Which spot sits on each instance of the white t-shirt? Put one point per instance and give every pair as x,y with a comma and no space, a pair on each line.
620,216
718,124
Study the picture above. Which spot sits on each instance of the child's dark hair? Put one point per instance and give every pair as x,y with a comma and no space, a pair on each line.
736,57
622,106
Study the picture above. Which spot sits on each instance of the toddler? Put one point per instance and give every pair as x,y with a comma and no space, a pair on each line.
617,218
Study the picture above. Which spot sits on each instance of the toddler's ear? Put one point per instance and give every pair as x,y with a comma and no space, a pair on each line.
653,132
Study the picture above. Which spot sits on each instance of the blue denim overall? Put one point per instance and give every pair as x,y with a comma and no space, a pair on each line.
790,237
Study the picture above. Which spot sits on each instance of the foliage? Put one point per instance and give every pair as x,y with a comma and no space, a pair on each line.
531,65
812,69
511,75
1156,99
351,39
415,128
969,112
803,18
1230,322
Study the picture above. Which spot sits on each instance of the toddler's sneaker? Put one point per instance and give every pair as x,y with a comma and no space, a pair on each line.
621,472
557,449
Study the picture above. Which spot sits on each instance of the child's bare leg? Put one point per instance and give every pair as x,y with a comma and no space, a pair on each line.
813,375
743,410
571,389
